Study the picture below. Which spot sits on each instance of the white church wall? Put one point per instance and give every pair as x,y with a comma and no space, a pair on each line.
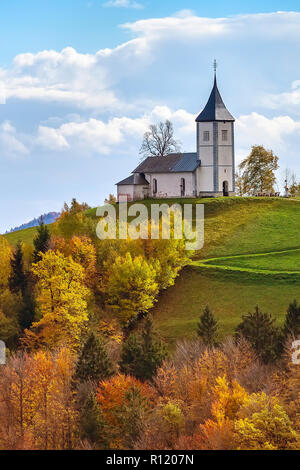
226,126
126,190
168,184
202,127
225,174
207,156
140,191
225,155
205,179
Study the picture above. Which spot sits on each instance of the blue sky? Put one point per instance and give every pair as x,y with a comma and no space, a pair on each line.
82,80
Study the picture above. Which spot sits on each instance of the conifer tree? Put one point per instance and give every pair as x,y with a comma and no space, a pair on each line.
208,328
41,241
143,353
92,425
291,325
94,363
19,282
260,330
17,279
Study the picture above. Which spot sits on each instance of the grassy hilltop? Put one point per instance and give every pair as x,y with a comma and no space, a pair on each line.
229,283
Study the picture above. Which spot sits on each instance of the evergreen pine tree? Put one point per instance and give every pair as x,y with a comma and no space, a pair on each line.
18,278
143,353
291,325
41,241
260,330
27,311
94,363
92,425
208,328
19,282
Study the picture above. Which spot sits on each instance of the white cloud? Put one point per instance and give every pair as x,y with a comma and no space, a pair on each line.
10,143
119,135
123,4
290,99
280,134
176,49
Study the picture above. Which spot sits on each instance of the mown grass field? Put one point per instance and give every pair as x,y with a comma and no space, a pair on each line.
286,261
233,227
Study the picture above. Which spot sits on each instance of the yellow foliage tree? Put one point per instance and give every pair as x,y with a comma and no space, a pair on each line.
263,424
132,286
5,255
82,251
61,300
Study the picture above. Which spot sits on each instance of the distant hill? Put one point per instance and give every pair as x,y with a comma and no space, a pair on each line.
48,219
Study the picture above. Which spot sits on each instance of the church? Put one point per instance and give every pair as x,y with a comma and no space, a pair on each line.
208,172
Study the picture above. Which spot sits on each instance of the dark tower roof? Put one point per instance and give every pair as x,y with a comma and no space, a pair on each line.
215,109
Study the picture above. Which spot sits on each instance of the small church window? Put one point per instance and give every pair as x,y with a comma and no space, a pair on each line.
154,185
182,187
224,135
206,136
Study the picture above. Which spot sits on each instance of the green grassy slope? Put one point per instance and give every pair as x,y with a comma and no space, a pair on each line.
26,236
232,228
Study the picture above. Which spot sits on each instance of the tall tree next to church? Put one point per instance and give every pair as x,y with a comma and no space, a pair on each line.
159,141
41,241
257,172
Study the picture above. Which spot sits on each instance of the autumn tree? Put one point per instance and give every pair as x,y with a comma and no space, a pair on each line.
143,353
37,402
263,424
257,172
132,286
124,402
159,141
61,300
171,255
111,199
93,363
208,328
73,221
41,240
5,266
260,330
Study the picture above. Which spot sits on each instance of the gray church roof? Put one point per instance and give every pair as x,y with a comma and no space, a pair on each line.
215,109
135,179
172,163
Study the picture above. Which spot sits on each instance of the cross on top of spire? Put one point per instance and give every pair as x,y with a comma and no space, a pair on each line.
215,66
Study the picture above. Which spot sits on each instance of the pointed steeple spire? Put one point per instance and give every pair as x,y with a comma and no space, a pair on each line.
215,109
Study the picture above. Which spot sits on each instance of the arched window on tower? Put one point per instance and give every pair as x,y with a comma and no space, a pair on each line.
182,187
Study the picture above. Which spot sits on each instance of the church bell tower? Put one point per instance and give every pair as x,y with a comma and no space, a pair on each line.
215,147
